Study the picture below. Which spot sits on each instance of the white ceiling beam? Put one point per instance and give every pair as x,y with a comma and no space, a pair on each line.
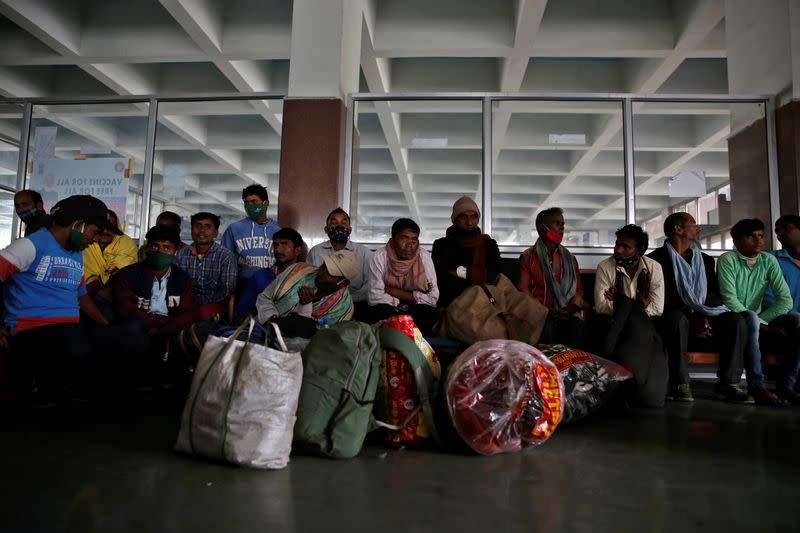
388,120
55,23
512,69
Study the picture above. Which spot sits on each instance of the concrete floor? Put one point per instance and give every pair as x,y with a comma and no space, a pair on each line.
709,466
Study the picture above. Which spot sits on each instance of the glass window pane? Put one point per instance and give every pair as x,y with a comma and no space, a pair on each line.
707,159
95,149
10,128
413,159
558,154
207,152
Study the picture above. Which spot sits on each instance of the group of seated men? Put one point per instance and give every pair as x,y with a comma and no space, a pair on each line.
81,278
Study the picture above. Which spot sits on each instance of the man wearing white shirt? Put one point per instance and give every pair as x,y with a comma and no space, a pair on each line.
337,228
402,278
628,291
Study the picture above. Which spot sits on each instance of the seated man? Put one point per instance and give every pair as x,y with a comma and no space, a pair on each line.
549,273
211,267
44,295
787,229
288,247
465,256
402,279
744,274
111,251
318,293
250,239
29,207
693,310
157,297
337,228
628,291
166,218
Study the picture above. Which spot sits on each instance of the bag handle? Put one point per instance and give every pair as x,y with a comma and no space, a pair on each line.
423,376
278,336
510,327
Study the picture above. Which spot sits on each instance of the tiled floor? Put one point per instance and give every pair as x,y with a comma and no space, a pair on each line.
709,466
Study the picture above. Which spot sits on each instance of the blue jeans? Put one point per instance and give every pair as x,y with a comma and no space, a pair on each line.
788,348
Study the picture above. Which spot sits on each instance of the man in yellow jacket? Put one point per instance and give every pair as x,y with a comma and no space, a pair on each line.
111,251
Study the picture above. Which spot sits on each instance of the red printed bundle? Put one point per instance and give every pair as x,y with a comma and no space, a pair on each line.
397,401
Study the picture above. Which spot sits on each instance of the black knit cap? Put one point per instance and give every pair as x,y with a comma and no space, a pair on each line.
83,207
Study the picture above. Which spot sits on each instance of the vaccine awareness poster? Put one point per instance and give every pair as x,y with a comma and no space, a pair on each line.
103,178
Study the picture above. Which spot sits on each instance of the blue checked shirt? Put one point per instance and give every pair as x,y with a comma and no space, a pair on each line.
213,273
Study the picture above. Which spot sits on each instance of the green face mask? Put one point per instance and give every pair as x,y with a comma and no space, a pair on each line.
254,211
159,261
75,240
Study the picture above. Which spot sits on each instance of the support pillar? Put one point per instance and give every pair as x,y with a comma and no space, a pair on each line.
323,69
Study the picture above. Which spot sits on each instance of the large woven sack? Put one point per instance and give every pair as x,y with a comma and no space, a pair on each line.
242,403
499,311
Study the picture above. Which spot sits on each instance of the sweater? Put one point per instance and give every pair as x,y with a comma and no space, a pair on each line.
743,288
251,243
448,255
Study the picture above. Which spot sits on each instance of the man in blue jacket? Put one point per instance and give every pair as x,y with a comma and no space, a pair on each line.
787,228
250,239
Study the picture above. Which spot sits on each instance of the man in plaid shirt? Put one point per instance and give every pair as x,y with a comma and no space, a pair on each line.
211,266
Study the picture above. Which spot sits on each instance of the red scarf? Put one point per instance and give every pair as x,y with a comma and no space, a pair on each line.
406,274
477,243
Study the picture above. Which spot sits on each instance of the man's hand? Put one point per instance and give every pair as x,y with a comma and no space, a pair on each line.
565,312
5,337
701,327
306,294
152,332
617,292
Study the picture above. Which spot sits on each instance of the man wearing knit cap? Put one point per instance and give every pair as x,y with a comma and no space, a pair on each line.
465,256
549,273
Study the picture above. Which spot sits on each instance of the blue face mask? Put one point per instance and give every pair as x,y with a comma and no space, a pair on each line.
626,262
338,234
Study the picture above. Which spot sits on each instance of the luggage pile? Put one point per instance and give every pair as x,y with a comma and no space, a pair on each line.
251,404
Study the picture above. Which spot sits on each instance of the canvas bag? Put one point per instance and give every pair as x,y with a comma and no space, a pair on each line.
341,369
499,311
242,403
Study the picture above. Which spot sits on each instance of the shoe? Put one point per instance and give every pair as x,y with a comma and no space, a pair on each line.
789,396
764,397
682,393
731,392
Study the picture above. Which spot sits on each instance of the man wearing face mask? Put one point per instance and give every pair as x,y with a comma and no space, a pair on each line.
337,228
549,273
465,256
628,291
318,293
45,293
250,239
29,207
157,297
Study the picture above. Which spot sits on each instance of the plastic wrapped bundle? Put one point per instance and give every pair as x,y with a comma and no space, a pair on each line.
503,396
589,380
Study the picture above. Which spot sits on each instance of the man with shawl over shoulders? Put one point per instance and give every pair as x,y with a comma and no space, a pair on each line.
549,273
694,314
402,279
465,256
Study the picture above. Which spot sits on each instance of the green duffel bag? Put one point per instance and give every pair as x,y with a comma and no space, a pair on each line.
341,369
340,375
